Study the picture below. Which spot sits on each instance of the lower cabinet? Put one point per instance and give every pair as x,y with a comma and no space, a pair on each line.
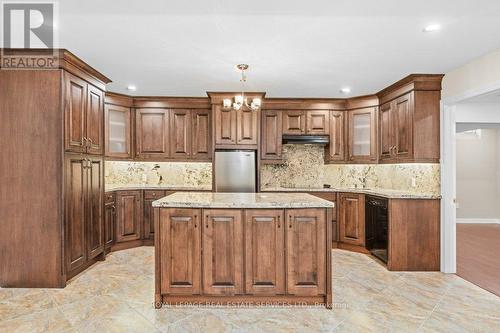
352,218
147,218
181,265
238,252
84,199
222,259
264,252
128,216
109,221
306,252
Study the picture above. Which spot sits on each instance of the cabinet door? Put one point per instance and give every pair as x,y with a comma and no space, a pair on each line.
404,126
247,131
294,122
74,114
318,122
352,218
117,131
95,203
306,252
128,215
201,134
180,133
152,133
147,219
264,252
363,135
109,225
225,126
387,141
336,151
75,197
180,236
271,135
222,252
95,119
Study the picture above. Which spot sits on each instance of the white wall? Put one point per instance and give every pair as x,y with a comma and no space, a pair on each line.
478,157
478,75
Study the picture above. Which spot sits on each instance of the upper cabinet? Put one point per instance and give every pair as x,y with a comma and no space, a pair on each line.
152,133
201,134
335,151
362,135
271,142
409,120
299,122
118,131
84,114
235,128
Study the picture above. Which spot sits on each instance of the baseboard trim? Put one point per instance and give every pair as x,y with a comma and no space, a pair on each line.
479,221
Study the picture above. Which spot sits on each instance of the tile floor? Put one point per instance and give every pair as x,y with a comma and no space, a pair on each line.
117,296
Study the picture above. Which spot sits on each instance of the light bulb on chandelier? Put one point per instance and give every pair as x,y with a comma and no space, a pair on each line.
240,101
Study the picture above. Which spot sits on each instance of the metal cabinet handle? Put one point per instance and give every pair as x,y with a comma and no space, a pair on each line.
279,224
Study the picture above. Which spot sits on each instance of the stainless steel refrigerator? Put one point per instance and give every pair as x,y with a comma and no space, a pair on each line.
235,171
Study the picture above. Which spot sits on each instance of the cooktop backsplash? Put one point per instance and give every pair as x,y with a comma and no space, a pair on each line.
304,167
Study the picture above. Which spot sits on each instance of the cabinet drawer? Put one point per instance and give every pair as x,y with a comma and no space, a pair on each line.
109,197
156,194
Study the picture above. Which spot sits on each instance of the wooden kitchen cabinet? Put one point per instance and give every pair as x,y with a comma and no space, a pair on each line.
128,216
335,151
313,122
118,131
236,127
222,260
305,252
147,219
362,135
109,221
271,143
264,252
180,133
84,116
352,218
152,133
181,268
84,186
201,129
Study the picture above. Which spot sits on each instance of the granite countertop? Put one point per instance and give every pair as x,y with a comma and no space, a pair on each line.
390,194
242,200
131,187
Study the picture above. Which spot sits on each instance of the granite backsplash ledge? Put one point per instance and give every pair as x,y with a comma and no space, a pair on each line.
172,174
304,167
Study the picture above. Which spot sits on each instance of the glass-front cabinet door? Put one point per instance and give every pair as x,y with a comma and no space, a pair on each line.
363,135
118,131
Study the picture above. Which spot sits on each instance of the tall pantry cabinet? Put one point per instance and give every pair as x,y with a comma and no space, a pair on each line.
51,125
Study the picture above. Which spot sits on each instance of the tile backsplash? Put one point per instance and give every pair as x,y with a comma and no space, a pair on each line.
188,174
304,167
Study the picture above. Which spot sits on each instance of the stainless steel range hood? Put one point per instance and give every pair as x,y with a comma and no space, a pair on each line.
306,139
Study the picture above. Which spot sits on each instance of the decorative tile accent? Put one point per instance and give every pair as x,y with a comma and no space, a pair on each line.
304,167
173,174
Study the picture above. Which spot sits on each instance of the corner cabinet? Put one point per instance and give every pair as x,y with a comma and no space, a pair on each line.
128,216
118,131
336,151
152,133
362,135
234,128
352,218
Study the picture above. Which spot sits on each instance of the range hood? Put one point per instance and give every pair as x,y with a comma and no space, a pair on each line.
306,139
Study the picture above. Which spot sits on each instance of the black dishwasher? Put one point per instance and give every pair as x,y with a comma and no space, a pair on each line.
376,224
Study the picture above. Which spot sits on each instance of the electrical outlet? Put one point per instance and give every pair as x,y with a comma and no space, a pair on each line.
413,182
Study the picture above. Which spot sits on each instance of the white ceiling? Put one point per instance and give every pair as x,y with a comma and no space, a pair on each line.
294,48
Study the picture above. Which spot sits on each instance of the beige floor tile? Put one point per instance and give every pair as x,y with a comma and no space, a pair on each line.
21,302
43,321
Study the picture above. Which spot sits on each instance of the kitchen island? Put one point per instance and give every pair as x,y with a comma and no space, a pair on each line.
243,249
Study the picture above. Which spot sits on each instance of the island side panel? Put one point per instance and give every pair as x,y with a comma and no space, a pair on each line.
158,298
329,238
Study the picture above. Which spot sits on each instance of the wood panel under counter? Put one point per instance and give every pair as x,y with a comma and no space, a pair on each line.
243,248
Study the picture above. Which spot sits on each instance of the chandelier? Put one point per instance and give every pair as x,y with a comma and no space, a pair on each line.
240,101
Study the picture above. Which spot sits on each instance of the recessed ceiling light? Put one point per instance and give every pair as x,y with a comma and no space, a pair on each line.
432,28
345,90
131,88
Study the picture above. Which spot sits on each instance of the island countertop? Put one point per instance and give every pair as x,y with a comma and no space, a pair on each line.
241,200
